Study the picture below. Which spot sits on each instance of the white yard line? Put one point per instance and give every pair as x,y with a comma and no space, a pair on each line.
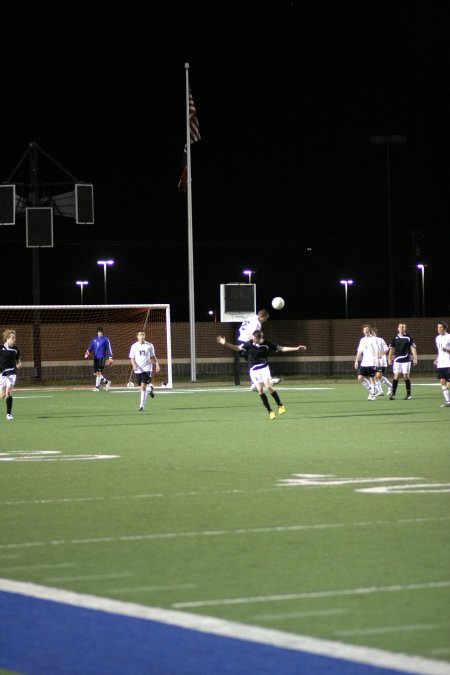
152,536
313,594
382,630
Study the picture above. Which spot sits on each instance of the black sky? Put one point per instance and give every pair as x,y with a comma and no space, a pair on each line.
285,180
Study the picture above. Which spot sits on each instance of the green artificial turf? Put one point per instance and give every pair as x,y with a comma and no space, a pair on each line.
188,506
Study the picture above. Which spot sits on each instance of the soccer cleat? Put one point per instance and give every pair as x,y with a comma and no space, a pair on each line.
408,397
371,397
275,380
152,393
379,393
252,387
107,385
141,408
446,405
9,416
272,415
392,397
281,409
96,389
389,391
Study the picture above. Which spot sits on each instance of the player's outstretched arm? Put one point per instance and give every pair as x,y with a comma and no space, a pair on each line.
299,348
222,341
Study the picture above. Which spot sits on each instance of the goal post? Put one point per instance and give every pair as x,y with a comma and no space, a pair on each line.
53,340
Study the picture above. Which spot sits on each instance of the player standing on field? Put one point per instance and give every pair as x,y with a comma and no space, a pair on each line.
100,346
9,362
367,360
442,361
143,358
401,349
256,351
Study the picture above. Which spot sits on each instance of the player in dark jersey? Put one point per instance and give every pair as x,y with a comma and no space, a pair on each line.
9,362
100,346
256,352
401,351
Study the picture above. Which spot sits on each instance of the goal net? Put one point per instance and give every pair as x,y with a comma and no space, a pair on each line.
53,340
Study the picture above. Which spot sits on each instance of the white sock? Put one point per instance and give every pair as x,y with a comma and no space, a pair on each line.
386,381
365,383
98,379
446,392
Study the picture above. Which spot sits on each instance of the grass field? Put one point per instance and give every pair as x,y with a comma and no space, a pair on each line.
330,521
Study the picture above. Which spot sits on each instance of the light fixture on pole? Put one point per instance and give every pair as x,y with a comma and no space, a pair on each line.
346,283
81,284
421,267
386,140
249,274
105,263
212,314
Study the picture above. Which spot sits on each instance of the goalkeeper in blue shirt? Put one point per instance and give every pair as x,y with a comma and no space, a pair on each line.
100,347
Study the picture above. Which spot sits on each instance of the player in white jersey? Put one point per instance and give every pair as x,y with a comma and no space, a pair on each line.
380,377
442,361
246,330
143,358
367,360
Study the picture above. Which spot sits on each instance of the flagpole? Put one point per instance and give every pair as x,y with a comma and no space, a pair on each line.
190,235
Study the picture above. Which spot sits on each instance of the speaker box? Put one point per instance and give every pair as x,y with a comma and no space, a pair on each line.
39,227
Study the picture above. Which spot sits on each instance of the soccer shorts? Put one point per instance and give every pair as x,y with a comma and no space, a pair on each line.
260,375
401,368
7,381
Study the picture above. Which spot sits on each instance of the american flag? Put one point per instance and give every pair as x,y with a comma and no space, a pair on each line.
194,134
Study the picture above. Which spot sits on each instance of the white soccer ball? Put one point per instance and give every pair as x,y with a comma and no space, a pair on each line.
278,303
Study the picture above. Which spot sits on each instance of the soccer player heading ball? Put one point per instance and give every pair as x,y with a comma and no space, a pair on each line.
256,352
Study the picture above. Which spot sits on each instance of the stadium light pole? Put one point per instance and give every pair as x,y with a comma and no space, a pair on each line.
105,264
81,284
249,274
421,267
386,140
212,314
346,283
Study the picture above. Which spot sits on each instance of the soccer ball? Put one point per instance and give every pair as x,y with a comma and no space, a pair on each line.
278,303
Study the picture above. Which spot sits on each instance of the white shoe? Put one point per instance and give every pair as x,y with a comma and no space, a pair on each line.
379,393
371,397
9,417
252,387
107,385
389,391
96,389
275,380
446,405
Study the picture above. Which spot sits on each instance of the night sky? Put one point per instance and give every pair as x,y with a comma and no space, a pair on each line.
285,179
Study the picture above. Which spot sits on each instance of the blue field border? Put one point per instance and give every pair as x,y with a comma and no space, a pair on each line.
46,637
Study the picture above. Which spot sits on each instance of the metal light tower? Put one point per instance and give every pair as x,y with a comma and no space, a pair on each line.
105,264
81,284
386,140
249,274
421,267
346,283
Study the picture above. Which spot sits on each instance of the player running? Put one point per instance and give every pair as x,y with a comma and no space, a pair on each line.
9,362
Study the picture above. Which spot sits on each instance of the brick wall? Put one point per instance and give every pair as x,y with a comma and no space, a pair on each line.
331,345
